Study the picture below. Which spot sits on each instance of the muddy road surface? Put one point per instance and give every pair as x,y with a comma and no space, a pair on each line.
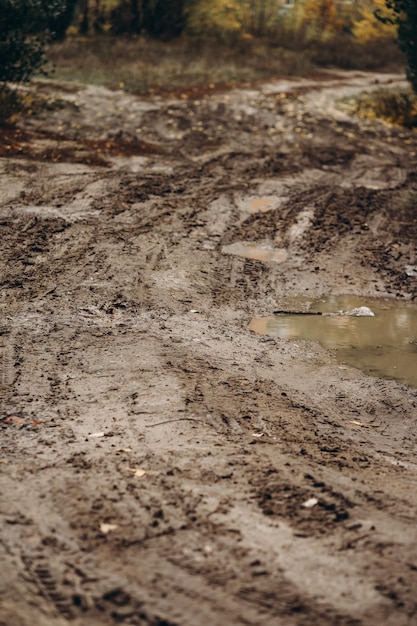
161,463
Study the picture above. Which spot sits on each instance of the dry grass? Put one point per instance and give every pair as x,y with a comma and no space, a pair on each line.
394,106
344,52
142,66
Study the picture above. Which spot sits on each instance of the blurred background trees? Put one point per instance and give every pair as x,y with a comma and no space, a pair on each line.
157,18
165,19
259,18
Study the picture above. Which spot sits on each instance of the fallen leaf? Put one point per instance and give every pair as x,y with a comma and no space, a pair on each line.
107,528
137,472
308,504
13,419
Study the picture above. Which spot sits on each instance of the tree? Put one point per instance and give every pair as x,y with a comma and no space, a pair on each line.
164,19
322,16
161,19
60,22
259,17
215,17
24,32
367,27
404,15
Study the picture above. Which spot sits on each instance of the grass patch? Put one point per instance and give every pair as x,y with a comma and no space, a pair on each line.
141,66
144,66
395,106
344,52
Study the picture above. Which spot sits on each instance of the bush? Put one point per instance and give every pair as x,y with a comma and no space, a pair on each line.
344,52
391,105
24,31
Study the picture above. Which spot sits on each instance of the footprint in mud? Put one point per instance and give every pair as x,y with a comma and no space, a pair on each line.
316,515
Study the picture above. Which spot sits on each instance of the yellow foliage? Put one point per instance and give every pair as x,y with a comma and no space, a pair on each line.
257,17
260,16
368,27
215,16
320,18
322,15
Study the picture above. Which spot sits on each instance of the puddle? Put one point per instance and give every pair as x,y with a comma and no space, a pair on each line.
257,252
262,204
384,345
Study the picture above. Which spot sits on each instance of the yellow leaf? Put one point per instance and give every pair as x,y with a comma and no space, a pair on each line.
137,472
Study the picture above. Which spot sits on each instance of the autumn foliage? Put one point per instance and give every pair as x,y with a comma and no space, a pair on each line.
367,26
323,15
169,18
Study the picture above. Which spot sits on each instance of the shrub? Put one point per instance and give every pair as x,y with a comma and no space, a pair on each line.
392,105
24,31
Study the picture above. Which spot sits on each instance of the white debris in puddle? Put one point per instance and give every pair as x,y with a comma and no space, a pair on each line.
360,311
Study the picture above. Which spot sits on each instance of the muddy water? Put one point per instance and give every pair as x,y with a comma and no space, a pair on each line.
384,345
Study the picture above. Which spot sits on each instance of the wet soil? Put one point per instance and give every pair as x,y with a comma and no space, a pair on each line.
161,464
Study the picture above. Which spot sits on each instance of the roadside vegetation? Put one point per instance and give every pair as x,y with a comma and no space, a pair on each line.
185,46
394,106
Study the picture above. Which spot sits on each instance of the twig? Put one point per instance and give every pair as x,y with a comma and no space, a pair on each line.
179,419
297,313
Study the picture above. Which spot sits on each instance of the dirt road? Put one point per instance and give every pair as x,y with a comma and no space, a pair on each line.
162,464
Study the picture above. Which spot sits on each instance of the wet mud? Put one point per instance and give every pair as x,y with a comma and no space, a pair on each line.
162,464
